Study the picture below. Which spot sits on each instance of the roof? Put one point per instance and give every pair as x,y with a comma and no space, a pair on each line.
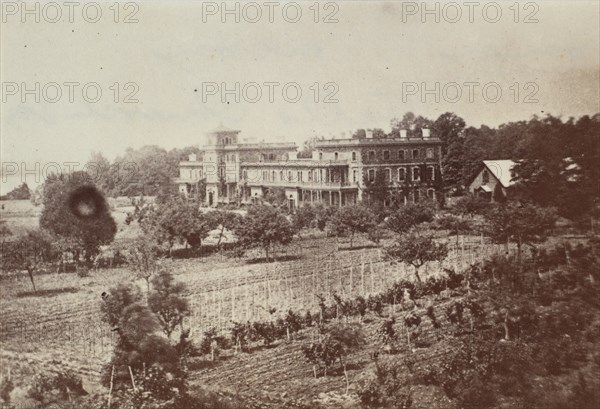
501,169
222,128
297,163
376,142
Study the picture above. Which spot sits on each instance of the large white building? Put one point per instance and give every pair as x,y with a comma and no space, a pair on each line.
236,171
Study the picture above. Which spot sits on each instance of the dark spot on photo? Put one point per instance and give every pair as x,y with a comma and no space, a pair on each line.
86,202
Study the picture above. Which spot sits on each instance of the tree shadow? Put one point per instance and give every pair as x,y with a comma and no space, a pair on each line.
288,257
364,246
50,292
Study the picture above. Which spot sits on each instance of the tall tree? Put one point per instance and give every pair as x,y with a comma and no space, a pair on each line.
449,127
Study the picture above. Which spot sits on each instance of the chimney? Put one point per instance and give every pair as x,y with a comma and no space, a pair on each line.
425,133
192,157
369,133
403,133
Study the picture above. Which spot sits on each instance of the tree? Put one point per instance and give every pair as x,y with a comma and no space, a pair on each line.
143,258
470,205
4,230
167,301
116,300
377,190
174,219
304,217
411,320
264,226
351,220
29,252
409,215
139,349
416,250
223,220
498,195
338,342
450,129
309,147
103,175
76,211
521,223
411,123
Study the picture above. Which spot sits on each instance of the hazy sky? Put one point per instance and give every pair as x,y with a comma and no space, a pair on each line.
375,56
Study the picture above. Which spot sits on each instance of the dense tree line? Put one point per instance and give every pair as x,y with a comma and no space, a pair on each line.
21,192
148,171
557,159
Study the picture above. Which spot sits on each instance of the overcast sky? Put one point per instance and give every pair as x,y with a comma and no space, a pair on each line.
376,56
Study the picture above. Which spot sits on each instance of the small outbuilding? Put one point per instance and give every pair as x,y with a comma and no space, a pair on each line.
494,174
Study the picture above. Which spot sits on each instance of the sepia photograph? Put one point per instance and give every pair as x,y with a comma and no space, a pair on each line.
299,204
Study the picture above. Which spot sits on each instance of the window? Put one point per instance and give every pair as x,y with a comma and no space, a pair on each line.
310,176
401,155
200,173
485,176
431,194
281,175
245,174
429,153
386,155
371,155
430,173
371,175
416,196
353,156
299,176
290,175
415,153
320,155
401,174
388,175
416,173
320,175
354,175
335,156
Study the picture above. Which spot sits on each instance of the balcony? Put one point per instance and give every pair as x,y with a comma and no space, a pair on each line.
316,185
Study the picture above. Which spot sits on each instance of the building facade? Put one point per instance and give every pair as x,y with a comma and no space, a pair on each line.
237,171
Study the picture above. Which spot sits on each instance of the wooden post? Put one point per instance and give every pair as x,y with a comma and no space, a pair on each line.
233,303
362,277
112,375
351,282
132,381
